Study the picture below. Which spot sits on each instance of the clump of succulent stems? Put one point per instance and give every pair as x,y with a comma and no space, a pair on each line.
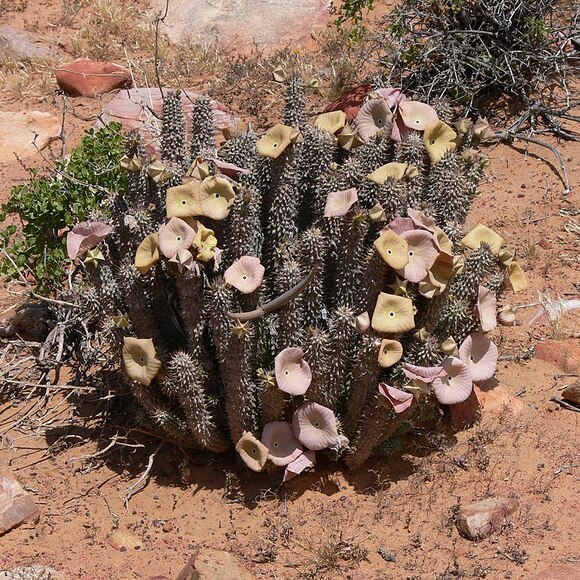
208,371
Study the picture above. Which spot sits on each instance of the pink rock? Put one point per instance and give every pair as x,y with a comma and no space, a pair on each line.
211,564
466,413
350,102
242,24
133,109
25,133
495,400
486,399
16,505
478,520
559,572
88,78
561,353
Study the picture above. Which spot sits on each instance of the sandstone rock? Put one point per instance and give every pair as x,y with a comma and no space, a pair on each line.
466,413
124,541
240,23
23,133
495,400
22,45
16,505
133,109
485,400
350,102
572,393
211,564
88,78
478,520
559,572
561,353
31,573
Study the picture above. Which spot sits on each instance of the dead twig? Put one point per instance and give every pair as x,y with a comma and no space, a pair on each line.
142,481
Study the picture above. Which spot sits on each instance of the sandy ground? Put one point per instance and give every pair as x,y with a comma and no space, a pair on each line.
331,524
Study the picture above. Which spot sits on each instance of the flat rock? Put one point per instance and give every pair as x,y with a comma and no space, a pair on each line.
241,23
16,505
124,541
88,78
572,393
22,45
561,353
31,573
24,133
211,564
559,572
139,108
480,519
350,102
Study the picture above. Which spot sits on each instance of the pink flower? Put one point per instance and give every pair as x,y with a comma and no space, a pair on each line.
479,353
85,236
486,308
302,462
293,374
339,202
424,374
400,400
422,254
455,385
245,274
283,447
315,426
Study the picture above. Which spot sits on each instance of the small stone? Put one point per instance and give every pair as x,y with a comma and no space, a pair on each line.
124,541
31,573
88,78
24,133
22,45
559,572
561,353
478,520
167,527
211,564
572,393
16,505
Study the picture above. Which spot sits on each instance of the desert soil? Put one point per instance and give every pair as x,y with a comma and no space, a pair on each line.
333,523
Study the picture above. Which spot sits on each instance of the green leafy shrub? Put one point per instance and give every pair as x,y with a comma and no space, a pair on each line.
47,205
351,12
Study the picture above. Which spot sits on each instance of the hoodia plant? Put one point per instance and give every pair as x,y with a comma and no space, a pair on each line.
309,290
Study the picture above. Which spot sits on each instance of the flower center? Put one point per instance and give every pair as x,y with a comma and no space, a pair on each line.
183,202
275,145
254,450
389,252
316,424
276,444
392,314
244,277
216,195
411,254
178,239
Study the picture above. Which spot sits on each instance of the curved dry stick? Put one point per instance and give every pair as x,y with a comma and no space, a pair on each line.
275,304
